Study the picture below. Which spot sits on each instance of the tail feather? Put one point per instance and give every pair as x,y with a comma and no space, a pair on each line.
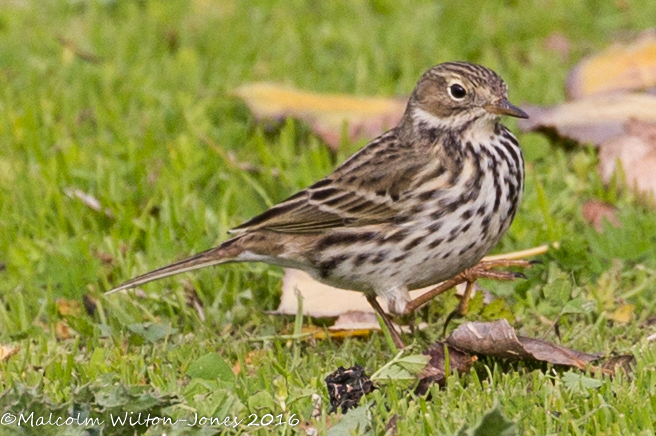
214,256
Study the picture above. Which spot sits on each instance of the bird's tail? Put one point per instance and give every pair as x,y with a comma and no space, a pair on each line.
224,253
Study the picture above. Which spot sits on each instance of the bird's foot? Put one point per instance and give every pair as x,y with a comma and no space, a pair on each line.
484,270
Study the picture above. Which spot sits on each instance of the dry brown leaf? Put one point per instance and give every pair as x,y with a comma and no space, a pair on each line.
62,330
356,320
6,351
591,120
625,362
621,67
596,212
391,426
498,339
435,372
366,117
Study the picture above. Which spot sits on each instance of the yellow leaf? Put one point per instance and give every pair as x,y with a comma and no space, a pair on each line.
366,117
620,67
623,314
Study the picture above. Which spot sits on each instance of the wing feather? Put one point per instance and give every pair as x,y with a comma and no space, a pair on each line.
364,190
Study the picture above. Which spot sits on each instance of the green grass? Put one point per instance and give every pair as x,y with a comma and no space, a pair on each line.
129,130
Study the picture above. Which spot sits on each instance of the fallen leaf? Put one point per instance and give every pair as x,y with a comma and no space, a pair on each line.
6,351
623,314
621,67
498,339
591,120
435,372
352,324
356,320
624,362
596,212
366,117
62,331
346,387
391,428
636,152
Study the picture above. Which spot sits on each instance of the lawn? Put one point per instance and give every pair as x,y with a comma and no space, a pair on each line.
131,103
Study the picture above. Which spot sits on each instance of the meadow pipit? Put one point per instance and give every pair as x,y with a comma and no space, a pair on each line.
420,204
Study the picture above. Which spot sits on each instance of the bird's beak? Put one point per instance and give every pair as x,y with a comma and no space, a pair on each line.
504,107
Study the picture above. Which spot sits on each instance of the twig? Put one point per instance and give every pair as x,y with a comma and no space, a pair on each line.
535,251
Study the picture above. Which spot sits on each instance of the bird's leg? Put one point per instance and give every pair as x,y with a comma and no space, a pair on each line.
396,337
478,271
462,308
482,270
429,295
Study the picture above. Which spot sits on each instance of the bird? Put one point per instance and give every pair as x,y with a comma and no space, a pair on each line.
418,206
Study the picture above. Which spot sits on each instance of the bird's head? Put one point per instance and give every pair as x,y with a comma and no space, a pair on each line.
453,95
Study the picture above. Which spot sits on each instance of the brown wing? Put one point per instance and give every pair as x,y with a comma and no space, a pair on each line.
364,190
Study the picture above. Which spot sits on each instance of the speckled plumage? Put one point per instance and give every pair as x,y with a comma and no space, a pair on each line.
419,204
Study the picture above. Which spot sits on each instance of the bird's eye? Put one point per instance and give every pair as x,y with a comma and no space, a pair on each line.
457,92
